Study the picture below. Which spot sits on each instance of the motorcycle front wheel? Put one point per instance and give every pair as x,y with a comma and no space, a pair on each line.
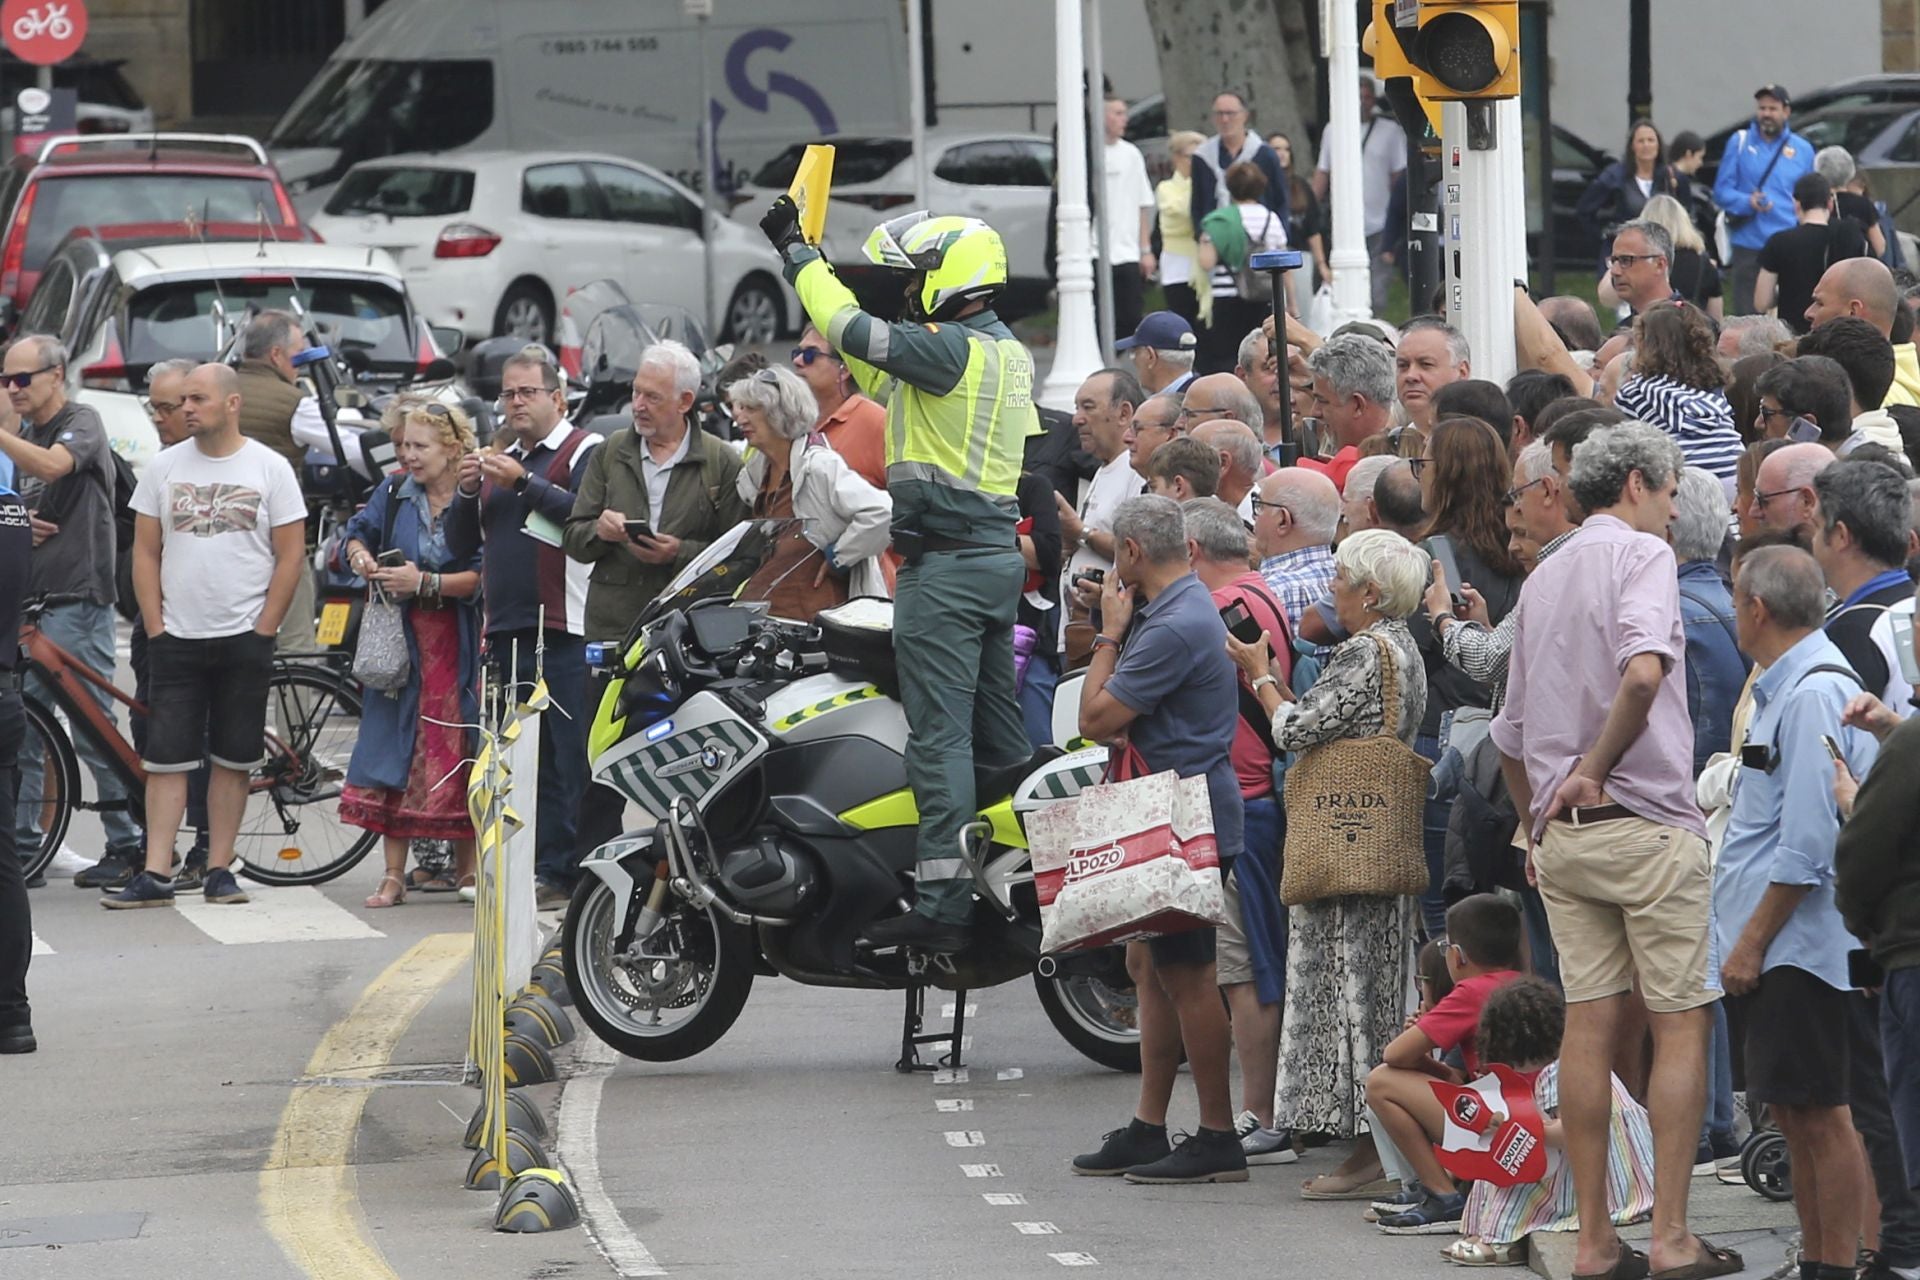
1100,1020
674,999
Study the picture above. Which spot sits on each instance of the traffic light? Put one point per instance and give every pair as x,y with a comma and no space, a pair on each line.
1469,49
1382,42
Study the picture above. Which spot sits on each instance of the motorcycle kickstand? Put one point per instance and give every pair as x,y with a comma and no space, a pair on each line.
912,1037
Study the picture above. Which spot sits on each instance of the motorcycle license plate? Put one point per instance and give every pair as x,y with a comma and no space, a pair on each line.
333,621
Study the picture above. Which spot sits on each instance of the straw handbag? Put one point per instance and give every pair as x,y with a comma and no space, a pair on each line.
1353,812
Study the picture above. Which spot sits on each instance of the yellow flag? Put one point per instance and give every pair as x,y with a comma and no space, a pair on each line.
812,182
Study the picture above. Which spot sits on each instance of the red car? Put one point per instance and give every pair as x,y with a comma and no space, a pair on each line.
152,178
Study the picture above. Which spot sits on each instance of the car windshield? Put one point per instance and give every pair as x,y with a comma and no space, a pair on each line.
403,192
63,201
855,160
177,318
371,107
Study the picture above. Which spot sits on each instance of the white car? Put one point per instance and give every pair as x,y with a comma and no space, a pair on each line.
1004,179
492,242
142,306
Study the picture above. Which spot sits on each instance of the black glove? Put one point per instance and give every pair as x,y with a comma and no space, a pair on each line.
781,224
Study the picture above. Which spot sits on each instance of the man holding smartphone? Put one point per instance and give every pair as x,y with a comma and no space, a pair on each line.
1780,934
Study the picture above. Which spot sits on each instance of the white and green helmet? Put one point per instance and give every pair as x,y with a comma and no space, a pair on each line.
962,258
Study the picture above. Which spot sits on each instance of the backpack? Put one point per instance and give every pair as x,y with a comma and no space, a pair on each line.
124,482
1252,285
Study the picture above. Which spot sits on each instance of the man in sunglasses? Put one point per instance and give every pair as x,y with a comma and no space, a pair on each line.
854,425
66,477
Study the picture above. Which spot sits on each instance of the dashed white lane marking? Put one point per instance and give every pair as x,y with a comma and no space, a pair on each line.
41,948
951,1075
578,1149
946,1010
953,1104
966,1138
1011,1073
981,1170
299,914
1036,1228
1075,1259
1003,1198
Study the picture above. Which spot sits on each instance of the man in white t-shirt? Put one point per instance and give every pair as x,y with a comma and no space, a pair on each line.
1103,411
1127,207
219,547
1383,158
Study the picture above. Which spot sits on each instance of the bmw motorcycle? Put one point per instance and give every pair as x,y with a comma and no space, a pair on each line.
768,757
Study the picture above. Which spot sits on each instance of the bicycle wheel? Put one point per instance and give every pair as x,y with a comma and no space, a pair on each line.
293,833
47,808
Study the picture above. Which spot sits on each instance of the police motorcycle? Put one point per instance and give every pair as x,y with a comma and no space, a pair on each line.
768,757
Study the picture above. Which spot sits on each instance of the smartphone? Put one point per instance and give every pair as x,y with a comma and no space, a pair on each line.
1902,624
392,558
637,529
1833,748
1862,972
1445,561
1803,431
1097,577
1241,624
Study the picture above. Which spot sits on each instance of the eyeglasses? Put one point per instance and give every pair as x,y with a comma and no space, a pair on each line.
1260,504
1418,465
1762,497
766,377
1764,413
161,408
1513,494
805,356
1407,442
1626,260
1195,413
510,394
20,381
432,409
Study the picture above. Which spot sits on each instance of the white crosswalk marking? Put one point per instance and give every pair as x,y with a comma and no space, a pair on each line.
40,948
300,914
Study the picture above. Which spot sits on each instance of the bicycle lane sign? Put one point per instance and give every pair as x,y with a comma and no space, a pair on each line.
43,32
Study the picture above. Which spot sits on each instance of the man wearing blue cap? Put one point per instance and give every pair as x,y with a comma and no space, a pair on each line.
1754,189
1161,351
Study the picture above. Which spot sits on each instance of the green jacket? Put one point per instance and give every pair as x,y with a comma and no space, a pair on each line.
701,505
1877,860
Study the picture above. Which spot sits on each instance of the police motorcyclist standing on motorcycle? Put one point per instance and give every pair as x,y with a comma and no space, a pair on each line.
958,388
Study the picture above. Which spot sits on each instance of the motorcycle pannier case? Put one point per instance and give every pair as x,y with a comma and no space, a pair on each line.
858,640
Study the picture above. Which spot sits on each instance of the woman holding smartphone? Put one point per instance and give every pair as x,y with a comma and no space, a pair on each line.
406,779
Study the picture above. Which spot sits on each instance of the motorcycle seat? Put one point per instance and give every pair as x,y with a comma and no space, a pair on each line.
991,786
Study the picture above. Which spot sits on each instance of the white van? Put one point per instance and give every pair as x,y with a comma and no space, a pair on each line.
619,76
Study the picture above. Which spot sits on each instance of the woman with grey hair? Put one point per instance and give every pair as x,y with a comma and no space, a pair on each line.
1716,669
1347,957
1850,199
836,546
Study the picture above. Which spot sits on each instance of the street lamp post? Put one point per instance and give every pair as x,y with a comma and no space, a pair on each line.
1076,351
1352,270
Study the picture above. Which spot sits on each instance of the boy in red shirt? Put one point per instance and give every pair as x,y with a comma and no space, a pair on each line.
1483,955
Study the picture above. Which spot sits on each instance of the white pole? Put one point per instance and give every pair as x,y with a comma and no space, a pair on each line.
1490,243
710,218
1352,270
917,100
1097,146
1076,351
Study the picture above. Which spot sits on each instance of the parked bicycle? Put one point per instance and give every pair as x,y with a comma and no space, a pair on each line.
292,833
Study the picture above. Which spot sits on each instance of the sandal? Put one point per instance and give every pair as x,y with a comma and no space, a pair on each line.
385,899
441,883
1713,1261
1478,1253
1630,1265
1329,1186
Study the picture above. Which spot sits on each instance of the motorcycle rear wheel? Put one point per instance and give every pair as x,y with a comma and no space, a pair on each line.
628,1005
1093,1017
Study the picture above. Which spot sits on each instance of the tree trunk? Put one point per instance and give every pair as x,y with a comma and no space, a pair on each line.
1257,48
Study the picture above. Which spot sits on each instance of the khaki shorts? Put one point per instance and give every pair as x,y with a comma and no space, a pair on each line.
1629,897
1232,958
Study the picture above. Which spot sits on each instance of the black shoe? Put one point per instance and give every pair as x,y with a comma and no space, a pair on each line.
1204,1156
193,872
18,1039
1123,1149
110,873
923,933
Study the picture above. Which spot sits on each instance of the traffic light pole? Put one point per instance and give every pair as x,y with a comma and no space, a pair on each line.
1352,267
1423,239
1484,243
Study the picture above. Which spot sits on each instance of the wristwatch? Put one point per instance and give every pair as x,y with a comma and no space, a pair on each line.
520,483
1439,620
1265,680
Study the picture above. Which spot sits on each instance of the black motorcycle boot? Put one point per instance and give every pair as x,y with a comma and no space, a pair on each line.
923,933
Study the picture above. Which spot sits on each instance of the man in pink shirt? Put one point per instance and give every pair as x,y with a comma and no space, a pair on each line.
1597,748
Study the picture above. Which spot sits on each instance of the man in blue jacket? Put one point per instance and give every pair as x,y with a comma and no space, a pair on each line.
1754,188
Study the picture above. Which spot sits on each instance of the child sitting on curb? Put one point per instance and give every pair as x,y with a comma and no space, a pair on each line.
1483,955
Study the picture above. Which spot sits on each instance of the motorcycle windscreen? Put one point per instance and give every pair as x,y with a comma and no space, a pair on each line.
719,571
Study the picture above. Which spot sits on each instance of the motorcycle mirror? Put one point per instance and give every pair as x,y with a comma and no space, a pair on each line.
439,369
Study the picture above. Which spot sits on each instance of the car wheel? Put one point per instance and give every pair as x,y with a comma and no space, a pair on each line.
525,313
756,313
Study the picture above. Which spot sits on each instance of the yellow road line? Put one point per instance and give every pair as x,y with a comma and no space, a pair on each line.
308,1191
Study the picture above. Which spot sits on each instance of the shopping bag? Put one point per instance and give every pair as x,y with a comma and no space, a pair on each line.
1323,317
380,659
1126,860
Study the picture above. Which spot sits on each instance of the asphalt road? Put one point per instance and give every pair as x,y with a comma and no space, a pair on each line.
174,1042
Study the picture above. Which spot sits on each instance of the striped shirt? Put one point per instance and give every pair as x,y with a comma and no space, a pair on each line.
1700,422
1482,653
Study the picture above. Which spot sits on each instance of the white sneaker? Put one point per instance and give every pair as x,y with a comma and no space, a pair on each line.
468,893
